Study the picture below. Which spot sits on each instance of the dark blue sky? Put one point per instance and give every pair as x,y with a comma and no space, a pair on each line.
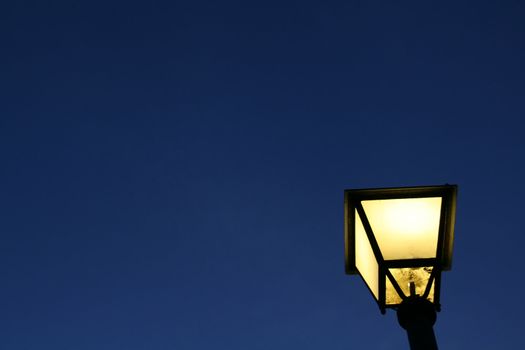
172,173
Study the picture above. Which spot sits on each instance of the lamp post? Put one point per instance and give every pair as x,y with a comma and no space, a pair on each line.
399,240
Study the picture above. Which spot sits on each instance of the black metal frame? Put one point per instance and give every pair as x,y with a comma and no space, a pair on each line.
353,199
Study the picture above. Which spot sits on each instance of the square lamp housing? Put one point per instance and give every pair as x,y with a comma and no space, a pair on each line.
399,240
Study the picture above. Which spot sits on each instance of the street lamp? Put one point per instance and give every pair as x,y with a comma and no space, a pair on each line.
399,240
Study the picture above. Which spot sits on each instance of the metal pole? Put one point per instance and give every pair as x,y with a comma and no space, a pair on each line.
417,316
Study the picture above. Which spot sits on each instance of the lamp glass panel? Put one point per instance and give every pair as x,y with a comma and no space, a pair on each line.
365,260
420,276
405,228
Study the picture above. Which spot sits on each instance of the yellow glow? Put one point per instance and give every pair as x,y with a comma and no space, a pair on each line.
365,260
405,228
418,275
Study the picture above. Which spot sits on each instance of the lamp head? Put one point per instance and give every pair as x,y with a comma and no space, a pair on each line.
399,240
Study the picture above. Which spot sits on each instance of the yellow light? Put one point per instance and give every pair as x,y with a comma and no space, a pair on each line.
420,276
405,228
365,260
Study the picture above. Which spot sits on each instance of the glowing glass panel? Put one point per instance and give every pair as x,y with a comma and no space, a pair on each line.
365,260
418,275
405,228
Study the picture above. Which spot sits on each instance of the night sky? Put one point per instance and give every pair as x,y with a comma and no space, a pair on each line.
172,173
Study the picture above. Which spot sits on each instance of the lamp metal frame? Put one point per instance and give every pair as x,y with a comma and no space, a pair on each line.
443,259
